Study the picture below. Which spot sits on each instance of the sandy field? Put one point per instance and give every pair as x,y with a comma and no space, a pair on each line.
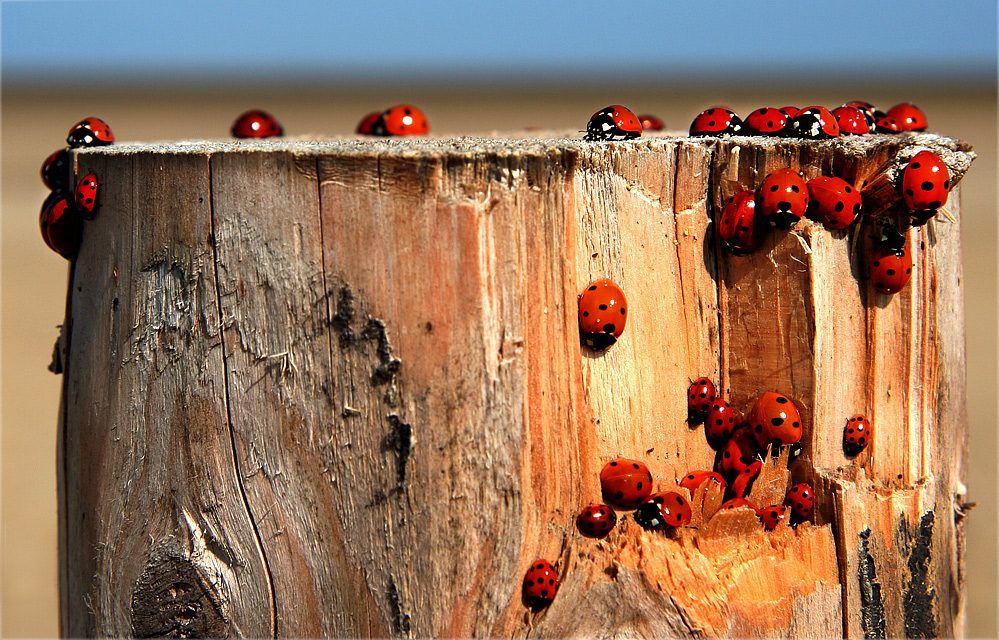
34,280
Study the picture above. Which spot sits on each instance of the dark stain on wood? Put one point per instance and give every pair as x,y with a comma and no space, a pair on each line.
171,600
872,611
920,621
400,619
400,441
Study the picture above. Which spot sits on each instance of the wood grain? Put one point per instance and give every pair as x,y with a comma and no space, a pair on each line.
336,388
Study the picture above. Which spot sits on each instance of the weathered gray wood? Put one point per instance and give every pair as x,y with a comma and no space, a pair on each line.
337,389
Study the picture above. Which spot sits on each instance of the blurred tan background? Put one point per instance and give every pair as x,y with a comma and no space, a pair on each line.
34,279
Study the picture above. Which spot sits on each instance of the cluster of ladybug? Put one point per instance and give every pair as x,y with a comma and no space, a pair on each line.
63,211
814,123
773,422
400,120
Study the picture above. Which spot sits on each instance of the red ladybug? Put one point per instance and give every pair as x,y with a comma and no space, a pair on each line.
700,395
55,170
775,420
626,482
771,516
800,498
815,123
61,226
736,503
738,456
540,583
852,120
664,509
716,121
925,182
865,107
790,112
740,230
367,123
650,122
721,419
401,120
744,481
256,124
613,121
596,520
885,124
695,479
890,268
908,116
834,202
603,311
767,122
782,198
86,196
857,434
90,132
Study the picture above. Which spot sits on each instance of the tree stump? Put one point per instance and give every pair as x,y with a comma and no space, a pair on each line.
337,388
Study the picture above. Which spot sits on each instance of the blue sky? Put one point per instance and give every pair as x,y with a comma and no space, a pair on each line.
178,40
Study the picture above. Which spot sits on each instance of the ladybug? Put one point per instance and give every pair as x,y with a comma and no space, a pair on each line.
90,132
866,107
783,198
721,419
767,122
815,123
611,122
55,170
626,482
925,182
716,121
740,230
603,312
833,202
852,120
890,268
857,434
800,498
908,116
739,457
650,122
401,120
775,420
256,124
790,112
540,583
86,196
60,226
596,520
700,395
367,123
669,509
695,479
744,481
736,503
771,516
885,124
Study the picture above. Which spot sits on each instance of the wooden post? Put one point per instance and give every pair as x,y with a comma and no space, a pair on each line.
337,389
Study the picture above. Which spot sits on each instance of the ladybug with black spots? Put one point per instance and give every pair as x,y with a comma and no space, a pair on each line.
61,225
90,132
908,116
695,479
256,124
700,395
852,120
55,170
890,268
721,419
401,120
925,182
775,420
767,122
716,121
857,434
886,124
801,500
782,199
662,510
815,123
738,503
603,311
740,229
772,516
596,520
625,482
86,196
540,583
739,461
833,201
615,121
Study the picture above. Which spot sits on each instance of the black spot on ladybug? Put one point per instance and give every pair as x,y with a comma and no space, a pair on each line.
602,307
861,440
586,314
529,583
914,165
890,272
926,186
619,495
635,465
848,189
781,399
622,311
774,188
710,112
544,593
593,288
711,123
795,188
839,206
909,270
728,454
935,204
946,184
638,486
777,421
795,425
